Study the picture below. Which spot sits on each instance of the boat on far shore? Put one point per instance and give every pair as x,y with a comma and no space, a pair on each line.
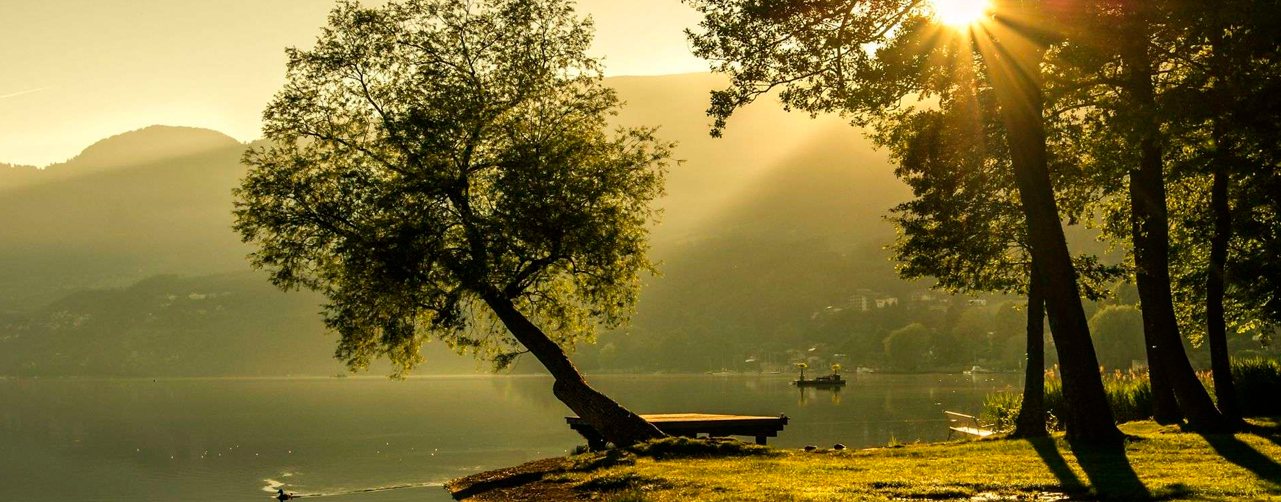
833,380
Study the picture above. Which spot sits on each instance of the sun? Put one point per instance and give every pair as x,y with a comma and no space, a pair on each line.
960,13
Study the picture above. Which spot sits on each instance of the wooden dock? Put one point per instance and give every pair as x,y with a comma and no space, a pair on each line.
693,424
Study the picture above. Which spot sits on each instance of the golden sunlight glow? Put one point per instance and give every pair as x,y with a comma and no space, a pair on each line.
960,13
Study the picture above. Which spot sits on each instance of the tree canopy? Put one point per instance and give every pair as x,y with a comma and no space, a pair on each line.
870,59
443,168
431,152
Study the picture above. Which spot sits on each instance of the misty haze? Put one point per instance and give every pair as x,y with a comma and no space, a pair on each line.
641,250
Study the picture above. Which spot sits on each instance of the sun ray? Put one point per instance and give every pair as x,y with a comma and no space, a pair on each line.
960,13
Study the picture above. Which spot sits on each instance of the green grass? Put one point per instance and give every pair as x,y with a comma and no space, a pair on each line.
1158,463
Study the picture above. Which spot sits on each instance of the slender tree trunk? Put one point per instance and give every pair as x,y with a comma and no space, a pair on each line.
1220,164
1165,408
615,423
1015,67
1031,420
1152,249
1216,326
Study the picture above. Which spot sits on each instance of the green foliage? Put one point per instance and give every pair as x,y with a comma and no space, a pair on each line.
1219,73
1118,336
1257,381
682,447
1001,409
816,58
1129,395
905,348
431,153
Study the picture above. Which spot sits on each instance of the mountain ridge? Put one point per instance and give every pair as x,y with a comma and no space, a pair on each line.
761,228
147,145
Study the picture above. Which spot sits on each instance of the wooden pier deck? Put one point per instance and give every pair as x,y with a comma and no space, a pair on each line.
693,424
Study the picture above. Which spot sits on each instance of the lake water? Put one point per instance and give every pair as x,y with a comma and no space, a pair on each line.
376,440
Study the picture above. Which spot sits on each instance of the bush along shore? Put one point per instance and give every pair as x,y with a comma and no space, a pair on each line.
1156,463
1257,382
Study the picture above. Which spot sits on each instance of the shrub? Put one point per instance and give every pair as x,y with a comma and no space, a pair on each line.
682,447
1002,410
1257,381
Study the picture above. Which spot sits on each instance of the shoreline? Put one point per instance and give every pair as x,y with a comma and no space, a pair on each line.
1245,465
851,376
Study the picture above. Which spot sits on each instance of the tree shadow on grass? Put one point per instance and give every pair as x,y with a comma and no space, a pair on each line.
1111,474
1269,431
1048,450
1242,454
1106,467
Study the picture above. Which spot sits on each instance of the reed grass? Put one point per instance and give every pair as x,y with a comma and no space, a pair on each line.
1257,382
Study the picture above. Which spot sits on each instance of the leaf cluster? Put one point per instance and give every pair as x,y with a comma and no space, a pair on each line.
428,153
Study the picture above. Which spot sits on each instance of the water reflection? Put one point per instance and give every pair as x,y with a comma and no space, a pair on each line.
806,393
227,439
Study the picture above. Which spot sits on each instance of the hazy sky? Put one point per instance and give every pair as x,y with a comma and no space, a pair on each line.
76,71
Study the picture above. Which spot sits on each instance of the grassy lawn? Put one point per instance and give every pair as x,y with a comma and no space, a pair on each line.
1158,463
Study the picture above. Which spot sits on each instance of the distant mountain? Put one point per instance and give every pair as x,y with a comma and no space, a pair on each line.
101,220
150,145
762,229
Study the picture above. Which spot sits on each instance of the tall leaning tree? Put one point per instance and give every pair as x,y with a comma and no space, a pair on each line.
964,227
444,169
864,58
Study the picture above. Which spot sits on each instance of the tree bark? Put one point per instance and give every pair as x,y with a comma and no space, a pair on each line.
1015,67
1150,222
1165,408
615,423
1216,331
1031,420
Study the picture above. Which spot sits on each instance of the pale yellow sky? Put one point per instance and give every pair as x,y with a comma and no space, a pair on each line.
76,71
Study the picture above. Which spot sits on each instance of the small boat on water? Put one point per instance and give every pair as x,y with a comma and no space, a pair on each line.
833,380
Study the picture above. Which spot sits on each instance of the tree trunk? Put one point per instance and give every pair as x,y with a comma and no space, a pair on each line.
1216,330
615,423
1031,420
1015,69
1216,326
1165,408
1152,249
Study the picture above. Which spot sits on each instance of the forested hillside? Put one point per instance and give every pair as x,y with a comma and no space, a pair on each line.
123,261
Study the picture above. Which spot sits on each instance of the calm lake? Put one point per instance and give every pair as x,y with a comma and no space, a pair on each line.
372,439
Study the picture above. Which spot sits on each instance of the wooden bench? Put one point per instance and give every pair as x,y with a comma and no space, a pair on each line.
693,424
966,425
